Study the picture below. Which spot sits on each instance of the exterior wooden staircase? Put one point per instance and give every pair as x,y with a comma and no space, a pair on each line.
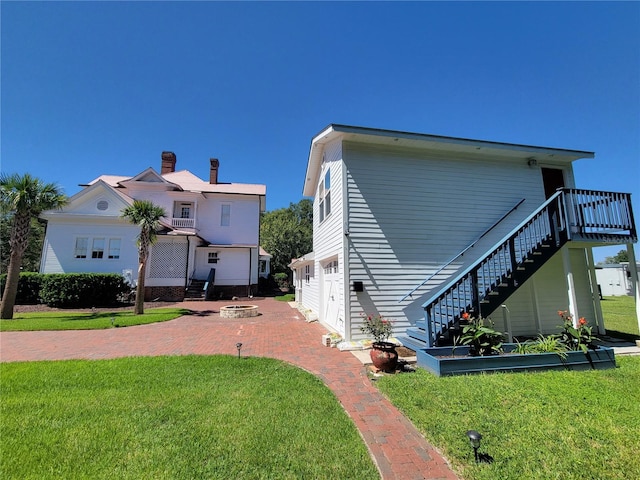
195,291
570,215
201,289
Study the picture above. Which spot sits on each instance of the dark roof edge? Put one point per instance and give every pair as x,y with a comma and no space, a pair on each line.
425,136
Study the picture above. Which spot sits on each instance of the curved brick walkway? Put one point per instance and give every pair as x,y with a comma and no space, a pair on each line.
280,332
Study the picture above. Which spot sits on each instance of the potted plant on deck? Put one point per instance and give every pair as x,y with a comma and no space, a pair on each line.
383,353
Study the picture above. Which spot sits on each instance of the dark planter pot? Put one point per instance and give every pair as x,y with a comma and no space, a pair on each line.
384,356
441,361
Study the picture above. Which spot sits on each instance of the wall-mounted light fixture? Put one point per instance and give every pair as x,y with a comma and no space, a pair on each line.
532,162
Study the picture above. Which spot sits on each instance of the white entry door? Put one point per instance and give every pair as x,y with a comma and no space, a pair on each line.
331,293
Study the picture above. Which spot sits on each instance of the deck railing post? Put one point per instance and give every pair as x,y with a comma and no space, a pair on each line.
512,259
429,325
475,299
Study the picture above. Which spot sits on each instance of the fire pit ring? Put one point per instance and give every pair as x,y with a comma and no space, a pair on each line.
239,311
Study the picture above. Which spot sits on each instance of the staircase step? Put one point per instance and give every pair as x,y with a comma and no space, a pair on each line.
412,343
416,333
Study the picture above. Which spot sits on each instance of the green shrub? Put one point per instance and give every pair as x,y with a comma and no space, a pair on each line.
29,287
542,344
282,279
82,290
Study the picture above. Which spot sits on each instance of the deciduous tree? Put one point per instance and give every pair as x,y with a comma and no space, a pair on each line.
287,233
621,256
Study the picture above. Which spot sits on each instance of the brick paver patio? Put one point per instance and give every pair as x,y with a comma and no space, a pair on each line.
398,449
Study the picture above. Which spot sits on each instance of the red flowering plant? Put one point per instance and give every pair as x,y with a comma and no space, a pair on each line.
377,326
481,338
575,338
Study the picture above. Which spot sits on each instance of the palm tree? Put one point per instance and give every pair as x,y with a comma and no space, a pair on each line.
23,197
147,216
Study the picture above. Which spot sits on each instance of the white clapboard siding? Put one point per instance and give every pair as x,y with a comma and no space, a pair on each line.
328,238
410,212
309,292
59,247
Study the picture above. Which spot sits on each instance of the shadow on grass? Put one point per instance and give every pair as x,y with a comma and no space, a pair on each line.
623,335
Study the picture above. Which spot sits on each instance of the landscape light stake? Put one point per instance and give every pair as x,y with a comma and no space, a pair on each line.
238,346
474,438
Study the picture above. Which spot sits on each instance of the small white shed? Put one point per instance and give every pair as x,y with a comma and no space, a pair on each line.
615,279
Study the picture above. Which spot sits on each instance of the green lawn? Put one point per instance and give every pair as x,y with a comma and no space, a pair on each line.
620,317
174,418
70,320
287,297
547,425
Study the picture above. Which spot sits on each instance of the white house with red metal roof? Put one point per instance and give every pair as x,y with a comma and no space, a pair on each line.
209,238
422,228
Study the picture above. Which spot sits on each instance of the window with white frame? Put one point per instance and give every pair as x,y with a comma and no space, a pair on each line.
183,210
331,267
324,196
307,273
97,250
98,245
213,257
114,248
225,215
82,244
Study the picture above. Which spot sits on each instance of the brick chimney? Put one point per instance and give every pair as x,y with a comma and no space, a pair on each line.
213,172
168,163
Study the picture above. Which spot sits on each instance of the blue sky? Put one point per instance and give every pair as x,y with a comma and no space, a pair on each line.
91,87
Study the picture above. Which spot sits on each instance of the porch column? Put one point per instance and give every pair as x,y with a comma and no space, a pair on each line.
634,279
594,292
571,288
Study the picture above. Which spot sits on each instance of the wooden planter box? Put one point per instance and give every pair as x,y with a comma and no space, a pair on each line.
439,360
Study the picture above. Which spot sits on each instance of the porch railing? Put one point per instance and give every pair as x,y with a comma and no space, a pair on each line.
592,213
183,222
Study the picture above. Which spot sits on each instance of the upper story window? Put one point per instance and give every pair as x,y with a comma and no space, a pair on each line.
183,210
324,196
183,215
225,215
213,257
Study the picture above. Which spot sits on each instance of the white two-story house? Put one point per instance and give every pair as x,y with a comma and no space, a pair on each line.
209,238
422,228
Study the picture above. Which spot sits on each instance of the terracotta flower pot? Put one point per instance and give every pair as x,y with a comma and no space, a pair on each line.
384,356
